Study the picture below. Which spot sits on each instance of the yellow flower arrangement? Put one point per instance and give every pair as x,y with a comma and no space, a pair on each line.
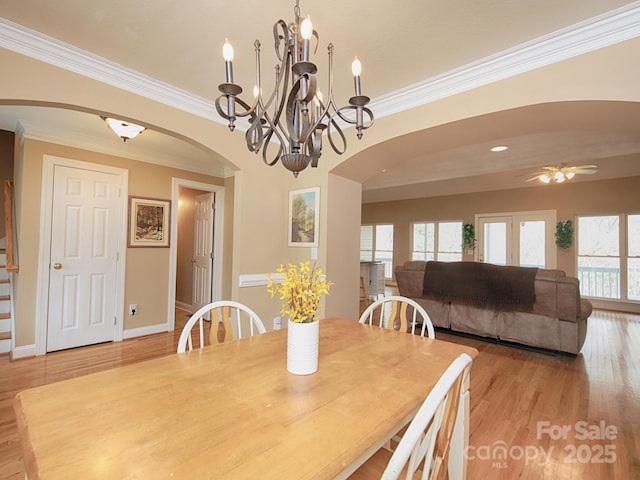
301,289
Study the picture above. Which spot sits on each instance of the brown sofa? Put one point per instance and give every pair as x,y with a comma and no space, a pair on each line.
556,320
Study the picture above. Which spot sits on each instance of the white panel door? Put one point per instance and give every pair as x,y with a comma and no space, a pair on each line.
203,248
82,279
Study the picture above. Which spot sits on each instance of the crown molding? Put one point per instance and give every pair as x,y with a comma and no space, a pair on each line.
598,32
593,34
41,47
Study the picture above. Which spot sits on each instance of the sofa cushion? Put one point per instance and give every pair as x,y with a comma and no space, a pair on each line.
529,329
474,320
438,311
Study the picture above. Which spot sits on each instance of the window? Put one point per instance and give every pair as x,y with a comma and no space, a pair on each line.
609,256
633,257
376,245
366,243
446,246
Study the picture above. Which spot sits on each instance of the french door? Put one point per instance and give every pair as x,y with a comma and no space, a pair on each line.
524,239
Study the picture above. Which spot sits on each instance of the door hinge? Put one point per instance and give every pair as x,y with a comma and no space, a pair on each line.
213,207
115,320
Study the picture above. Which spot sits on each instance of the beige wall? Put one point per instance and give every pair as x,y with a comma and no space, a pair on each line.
569,200
343,235
261,227
147,269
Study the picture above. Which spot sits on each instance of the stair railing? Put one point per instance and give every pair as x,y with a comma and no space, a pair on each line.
11,252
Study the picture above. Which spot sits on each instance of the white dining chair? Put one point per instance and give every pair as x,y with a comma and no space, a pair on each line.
423,451
398,313
222,314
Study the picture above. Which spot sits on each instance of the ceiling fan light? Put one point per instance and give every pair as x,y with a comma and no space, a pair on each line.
545,178
558,177
570,175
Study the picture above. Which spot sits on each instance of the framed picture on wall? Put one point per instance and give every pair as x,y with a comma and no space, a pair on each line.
304,217
148,222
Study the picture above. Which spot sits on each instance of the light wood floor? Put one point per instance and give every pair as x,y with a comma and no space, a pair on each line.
512,390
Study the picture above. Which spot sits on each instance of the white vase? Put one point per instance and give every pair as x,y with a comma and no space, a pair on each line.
302,347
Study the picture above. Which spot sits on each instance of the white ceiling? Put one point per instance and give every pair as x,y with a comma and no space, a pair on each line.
416,40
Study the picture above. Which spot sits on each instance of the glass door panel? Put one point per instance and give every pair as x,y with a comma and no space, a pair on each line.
532,244
494,242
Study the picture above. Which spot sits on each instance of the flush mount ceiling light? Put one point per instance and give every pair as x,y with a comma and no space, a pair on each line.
125,130
499,148
560,173
294,117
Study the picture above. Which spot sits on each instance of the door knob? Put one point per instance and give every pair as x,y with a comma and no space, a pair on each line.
57,266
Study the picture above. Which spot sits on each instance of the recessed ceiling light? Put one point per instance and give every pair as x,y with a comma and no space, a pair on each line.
499,148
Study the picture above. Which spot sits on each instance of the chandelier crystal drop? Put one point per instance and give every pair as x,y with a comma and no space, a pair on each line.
290,123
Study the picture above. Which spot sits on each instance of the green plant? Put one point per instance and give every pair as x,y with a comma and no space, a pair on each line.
468,237
564,234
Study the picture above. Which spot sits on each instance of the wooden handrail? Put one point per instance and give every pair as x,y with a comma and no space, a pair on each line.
8,226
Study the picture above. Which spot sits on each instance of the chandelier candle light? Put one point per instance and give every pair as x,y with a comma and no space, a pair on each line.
295,116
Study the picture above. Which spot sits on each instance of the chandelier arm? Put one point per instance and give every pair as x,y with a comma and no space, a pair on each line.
330,136
354,122
281,83
314,145
254,135
266,148
298,133
281,38
248,110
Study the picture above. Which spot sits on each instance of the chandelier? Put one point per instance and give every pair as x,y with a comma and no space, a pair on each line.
290,123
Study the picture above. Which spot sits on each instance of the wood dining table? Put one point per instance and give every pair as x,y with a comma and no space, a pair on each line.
233,411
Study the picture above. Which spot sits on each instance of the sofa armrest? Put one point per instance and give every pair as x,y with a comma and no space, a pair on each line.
569,299
409,281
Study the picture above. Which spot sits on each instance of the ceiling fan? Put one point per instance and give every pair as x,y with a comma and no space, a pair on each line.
562,172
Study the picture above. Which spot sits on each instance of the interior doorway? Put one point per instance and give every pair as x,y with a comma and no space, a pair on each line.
194,262
195,274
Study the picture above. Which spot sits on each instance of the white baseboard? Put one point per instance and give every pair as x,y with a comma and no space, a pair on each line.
142,331
619,306
24,351
187,307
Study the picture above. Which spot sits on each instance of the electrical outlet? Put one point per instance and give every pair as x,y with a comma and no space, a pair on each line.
133,308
